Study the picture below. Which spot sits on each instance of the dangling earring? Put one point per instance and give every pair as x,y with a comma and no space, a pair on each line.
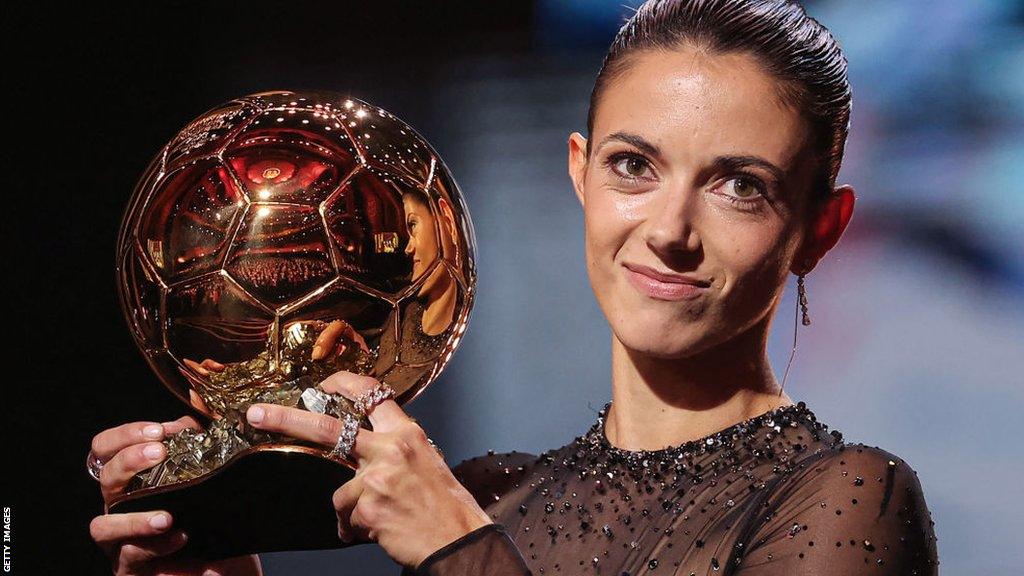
802,296
801,306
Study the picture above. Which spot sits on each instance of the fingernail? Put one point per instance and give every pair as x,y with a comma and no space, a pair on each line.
160,521
153,431
255,414
153,451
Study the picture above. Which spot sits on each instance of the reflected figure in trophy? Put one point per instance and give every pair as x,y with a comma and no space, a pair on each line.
422,327
427,232
424,323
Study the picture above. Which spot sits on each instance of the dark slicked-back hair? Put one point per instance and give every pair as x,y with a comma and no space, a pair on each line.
791,46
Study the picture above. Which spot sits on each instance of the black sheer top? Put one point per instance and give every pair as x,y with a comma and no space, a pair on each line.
777,494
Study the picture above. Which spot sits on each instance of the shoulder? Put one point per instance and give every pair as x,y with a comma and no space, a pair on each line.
863,503
855,468
852,479
816,461
494,474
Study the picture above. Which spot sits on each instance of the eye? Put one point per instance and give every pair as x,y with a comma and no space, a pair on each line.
630,166
745,189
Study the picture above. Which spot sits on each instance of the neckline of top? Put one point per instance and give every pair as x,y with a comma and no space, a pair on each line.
787,415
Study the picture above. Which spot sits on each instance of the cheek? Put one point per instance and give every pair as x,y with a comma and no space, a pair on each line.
628,209
435,249
610,218
753,260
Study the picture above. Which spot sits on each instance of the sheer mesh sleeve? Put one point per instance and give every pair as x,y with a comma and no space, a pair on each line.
487,550
858,510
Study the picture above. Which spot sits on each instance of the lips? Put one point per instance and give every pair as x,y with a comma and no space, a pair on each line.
664,286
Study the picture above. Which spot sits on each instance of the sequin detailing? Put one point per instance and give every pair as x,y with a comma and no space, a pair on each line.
771,495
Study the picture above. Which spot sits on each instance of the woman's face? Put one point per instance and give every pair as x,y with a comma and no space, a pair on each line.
696,168
422,246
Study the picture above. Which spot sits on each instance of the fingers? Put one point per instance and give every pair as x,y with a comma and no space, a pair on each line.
212,365
326,340
196,367
330,336
385,417
118,471
111,441
205,367
138,554
113,528
138,448
315,427
135,538
319,428
345,499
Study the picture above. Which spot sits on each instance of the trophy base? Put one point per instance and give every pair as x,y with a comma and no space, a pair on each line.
267,500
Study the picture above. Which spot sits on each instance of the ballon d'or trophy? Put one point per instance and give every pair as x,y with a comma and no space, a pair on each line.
266,224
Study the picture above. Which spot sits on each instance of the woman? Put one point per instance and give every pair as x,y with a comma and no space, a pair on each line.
716,131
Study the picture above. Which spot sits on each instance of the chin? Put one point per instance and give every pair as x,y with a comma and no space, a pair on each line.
665,340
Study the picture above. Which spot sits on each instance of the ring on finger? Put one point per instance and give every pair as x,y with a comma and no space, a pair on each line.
346,439
367,401
93,464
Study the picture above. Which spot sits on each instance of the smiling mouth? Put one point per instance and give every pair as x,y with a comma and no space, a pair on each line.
658,286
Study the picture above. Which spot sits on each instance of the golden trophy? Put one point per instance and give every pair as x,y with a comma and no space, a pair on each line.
277,239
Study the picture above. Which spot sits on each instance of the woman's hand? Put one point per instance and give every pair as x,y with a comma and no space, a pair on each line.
403,495
138,542
332,340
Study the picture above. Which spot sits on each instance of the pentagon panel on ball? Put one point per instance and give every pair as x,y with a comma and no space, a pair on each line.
277,239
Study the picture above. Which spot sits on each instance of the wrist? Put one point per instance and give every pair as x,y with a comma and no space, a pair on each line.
466,523
475,519
424,565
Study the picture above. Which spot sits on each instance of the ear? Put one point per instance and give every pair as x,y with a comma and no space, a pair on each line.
825,229
447,214
578,164
449,231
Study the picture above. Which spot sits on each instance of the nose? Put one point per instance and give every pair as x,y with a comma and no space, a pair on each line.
672,224
409,248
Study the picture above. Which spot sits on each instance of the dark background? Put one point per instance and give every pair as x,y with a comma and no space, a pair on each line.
918,312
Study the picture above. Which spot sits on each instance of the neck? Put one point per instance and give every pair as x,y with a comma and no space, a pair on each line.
659,402
437,316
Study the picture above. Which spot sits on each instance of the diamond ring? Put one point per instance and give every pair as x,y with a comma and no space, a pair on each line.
367,401
93,464
346,439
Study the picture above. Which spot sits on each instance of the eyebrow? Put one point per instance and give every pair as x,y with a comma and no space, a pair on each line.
720,163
